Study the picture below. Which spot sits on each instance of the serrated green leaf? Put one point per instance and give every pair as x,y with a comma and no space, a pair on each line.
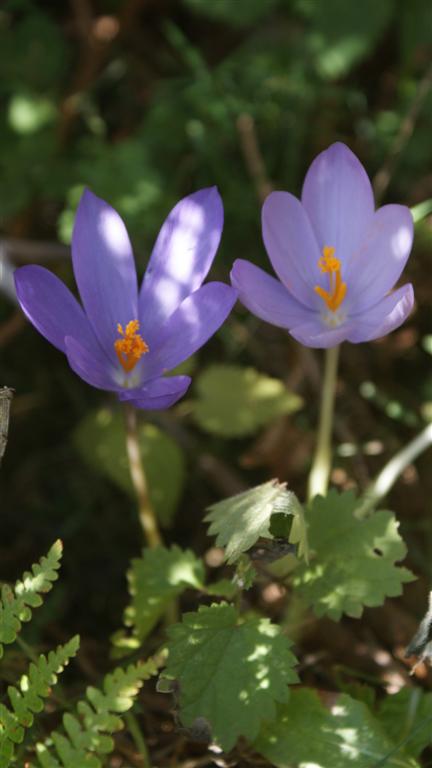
306,733
100,438
230,672
235,401
238,522
354,560
155,580
406,717
16,604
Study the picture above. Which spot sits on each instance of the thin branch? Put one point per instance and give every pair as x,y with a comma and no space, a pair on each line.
252,155
383,177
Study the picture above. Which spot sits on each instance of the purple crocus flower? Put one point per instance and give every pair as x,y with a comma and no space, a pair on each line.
121,339
337,258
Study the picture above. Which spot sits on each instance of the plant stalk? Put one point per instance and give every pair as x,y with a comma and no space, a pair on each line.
321,465
385,479
135,732
139,481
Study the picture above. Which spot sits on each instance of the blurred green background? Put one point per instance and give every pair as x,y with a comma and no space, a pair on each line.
145,101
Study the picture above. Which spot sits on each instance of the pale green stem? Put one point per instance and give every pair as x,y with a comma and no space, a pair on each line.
138,738
393,469
321,465
139,481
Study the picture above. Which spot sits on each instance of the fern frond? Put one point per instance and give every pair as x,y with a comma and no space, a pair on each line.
16,604
28,698
87,735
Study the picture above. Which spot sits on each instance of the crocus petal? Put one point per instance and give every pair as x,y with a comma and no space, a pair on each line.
197,318
95,370
315,334
266,297
158,394
338,198
384,317
378,264
51,307
292,246
181,258
104,269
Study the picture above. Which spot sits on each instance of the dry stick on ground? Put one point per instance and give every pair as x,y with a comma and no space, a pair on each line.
382,179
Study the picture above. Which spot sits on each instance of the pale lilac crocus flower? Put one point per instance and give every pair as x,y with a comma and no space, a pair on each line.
122,339
337,259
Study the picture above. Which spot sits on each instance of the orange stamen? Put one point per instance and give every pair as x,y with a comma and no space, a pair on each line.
328,263
131,347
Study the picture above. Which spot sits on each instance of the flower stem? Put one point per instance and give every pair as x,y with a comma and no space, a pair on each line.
385,480
139,481
321,465
135,731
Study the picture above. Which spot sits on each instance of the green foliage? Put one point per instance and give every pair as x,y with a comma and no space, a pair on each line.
241,13
407,718
344,33
16,604
235,401
87,738
101,441
27,700
307,733
354,560
239,521
155,580
230,671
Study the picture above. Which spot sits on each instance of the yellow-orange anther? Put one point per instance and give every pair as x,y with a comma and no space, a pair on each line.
328,263
131,346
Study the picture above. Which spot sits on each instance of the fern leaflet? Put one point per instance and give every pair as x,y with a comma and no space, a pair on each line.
16,604
88,735
28,698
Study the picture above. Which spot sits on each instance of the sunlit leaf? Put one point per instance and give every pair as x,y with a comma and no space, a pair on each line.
239,521
235,401
155,580
306,733
101,441
353,561
230,671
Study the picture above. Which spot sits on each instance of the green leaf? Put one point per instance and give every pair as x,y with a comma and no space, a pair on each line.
16,604
239,13
155,580
342,34
307,733
28,698
100,438
406,717
87,738
353,561
235,401
238,522
230,672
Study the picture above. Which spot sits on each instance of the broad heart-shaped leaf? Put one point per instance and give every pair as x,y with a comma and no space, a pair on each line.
353,560
100,439
235,401
157,578
406,717
238,522
230,672
305,733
